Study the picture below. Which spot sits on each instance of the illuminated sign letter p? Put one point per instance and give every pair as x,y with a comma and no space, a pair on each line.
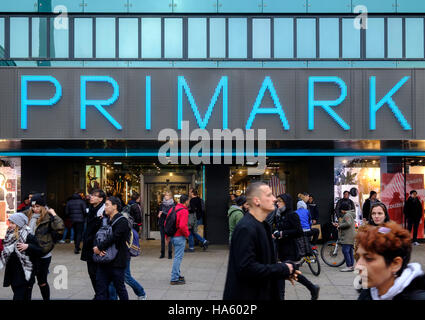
25,102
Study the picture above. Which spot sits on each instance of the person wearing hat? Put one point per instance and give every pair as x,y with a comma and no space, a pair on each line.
236,213
413,212
48,229
20,250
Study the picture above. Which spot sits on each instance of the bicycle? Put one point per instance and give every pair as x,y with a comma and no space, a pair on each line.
331,253
311,258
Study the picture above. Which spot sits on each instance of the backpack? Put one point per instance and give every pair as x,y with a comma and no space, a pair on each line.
170,225
105,233
133,243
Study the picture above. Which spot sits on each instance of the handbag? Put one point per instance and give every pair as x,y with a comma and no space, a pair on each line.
104,234
110,255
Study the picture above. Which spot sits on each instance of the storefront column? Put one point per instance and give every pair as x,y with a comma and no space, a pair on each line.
217,179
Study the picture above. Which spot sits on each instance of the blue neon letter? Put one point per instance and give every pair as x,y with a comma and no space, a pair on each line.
267,84
326,104
25,102
374,107
148,102
98,103
202,123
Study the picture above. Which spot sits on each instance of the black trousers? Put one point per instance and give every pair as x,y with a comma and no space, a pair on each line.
78,233
170,246
104,276
301,279
313,233
21,292
415,224
41,271
92,269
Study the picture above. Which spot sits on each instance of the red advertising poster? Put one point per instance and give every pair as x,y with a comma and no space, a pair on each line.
392,195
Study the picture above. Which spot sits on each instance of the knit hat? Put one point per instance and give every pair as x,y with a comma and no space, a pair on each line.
19,219
38,199
240,200
301,204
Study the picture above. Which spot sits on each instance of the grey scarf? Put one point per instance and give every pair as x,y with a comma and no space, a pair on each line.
10,243
168,202
33,222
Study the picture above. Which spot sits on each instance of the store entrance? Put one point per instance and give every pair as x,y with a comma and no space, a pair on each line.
155,193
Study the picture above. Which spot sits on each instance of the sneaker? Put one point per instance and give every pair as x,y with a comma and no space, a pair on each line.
205,245
315,292
161,256
77,251
416,243
178,282
347,269
181,278
72,241
62,241
145,297
189,250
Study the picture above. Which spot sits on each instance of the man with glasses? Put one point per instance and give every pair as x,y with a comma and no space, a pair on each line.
94,221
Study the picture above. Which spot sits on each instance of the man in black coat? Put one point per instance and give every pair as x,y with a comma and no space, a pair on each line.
253,272
413,213
75,210
346,198
367,204
94,221
113,271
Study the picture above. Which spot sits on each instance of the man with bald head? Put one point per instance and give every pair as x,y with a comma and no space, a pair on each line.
253,272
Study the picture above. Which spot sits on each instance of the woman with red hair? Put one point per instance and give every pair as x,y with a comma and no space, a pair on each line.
383,255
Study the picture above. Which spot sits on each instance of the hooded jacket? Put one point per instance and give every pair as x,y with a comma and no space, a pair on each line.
235,214
347,227
304,214
182,218
75,208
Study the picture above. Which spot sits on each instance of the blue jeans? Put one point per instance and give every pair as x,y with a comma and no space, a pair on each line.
65,233
179,243
191,240
347,250
128,279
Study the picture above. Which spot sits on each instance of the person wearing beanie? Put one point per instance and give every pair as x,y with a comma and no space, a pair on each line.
236,213
20,249
413,212
48,229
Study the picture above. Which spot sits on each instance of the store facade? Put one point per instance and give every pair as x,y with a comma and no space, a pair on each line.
86,91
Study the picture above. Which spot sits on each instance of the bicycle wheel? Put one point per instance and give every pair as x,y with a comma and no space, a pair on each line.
313,263
330,256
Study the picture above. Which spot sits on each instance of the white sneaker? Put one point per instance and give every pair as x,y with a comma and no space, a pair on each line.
62,241
416,243
145,297
72,241
347,269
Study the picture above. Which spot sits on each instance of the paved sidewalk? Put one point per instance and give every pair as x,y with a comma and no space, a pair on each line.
205,274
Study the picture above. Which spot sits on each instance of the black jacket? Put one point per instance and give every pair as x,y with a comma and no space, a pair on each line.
136,213
413,209
120,231
14,273
164,208
195,206
414,291
252,272
93,225
314,211
75,208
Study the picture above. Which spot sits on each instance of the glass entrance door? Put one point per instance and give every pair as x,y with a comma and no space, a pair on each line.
156,193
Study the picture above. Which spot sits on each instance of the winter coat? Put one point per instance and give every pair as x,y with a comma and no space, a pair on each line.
305,218
93,224
75,209
165,209
253,272
235,214
413,209
14,273
195,206
136,214
314,211
121,231
49,231
414,291
182,221
347,227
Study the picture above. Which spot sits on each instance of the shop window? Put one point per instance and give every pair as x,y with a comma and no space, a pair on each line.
237,38
173,38
151,38
19,33
260,38
306,38
414,38
350,39
39,37
10,185
128,38
375,38
197,38
329,38
59,46
284,38
395,38
415,180
105,38
217,38
83,38
2,52
359,176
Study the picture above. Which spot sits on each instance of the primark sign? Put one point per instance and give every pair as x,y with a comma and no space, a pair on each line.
118,103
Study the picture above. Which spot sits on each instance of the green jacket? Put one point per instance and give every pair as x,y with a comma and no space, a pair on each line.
235,214
49,231
347,227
